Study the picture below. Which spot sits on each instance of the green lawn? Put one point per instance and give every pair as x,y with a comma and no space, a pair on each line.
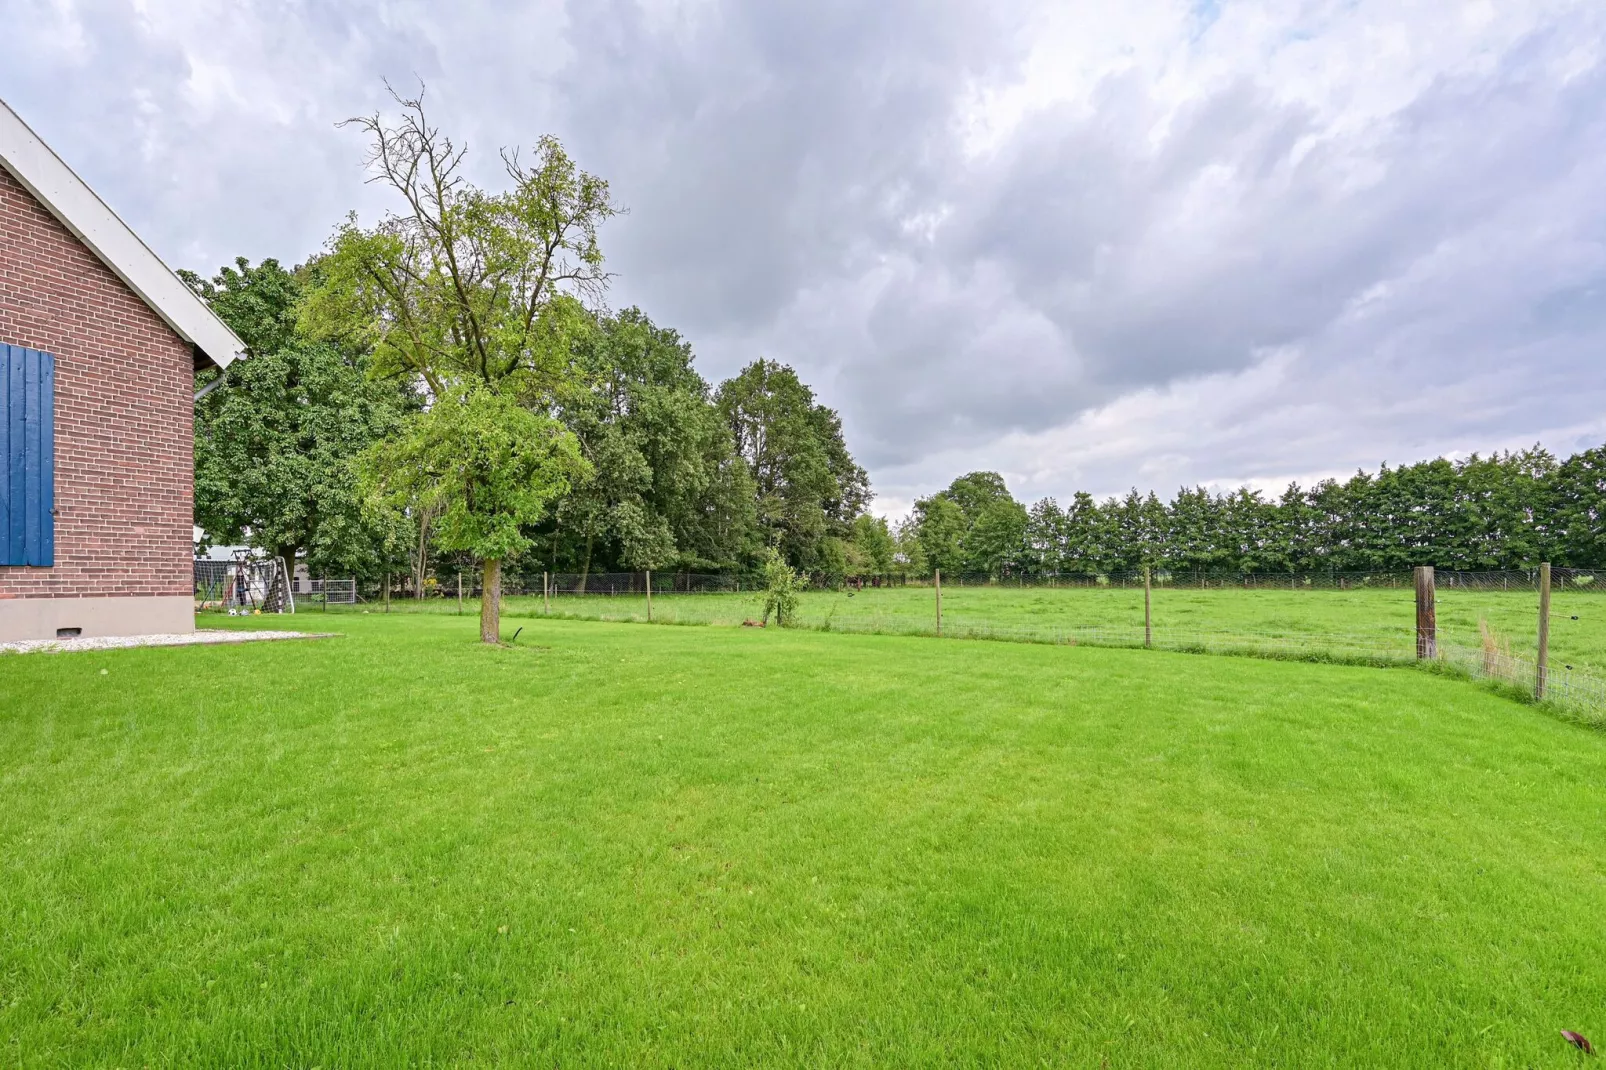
1380,621
631,846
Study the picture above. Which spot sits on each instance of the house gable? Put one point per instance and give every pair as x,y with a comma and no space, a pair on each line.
54,185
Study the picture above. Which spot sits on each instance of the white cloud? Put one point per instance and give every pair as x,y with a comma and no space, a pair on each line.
1091,245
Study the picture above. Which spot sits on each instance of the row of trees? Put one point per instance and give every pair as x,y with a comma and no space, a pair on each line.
1507,511
448,382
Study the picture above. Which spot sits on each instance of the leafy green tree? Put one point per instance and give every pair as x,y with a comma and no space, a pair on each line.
872,547
1581,509
275,445
807,484
908,553
1044,553
463,283
487,468
1083,538
991,526
996,542
476,298
975,491
939,527
781,585
669,490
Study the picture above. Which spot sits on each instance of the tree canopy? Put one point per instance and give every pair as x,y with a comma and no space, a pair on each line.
1504,511
476,299
668,489
275,446
808,487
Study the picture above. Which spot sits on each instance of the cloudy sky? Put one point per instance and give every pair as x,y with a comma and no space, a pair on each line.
1091,245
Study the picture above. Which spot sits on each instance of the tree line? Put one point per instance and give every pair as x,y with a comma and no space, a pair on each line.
1505,511
447,387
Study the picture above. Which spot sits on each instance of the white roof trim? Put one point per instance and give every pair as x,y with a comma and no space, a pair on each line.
72,202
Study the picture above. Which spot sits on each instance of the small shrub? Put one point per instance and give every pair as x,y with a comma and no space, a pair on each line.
780,590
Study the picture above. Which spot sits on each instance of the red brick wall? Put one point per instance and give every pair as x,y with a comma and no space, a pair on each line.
124,412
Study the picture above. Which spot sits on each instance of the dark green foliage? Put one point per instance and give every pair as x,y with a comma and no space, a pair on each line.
809,489
669,491
1504,511
781,586
274,447
974,526
872,549
939,529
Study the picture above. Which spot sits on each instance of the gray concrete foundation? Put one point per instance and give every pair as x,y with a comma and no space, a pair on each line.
44,618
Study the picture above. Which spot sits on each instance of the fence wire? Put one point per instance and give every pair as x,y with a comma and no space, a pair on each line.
1562,579
635,583
1578,691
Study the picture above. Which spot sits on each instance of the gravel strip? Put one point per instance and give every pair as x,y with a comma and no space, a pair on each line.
114,642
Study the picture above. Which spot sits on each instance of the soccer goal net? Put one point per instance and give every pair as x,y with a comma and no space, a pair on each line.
247,584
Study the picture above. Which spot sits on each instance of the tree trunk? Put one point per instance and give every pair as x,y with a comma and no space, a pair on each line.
491,604
421,559
288,555
585,569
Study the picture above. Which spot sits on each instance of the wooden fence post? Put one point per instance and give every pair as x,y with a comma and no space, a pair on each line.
1427,623
939,602
1148,630
649,596
387,592
1542,661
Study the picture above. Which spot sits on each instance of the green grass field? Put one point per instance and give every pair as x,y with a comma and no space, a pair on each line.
1380,621
631,846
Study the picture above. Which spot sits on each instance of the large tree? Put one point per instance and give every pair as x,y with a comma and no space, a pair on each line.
809,489
486,468
474,296
974,525
668,489
275,442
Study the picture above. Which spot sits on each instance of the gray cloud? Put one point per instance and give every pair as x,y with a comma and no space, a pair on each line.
1297,255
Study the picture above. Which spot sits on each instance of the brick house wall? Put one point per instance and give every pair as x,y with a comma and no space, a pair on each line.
124,415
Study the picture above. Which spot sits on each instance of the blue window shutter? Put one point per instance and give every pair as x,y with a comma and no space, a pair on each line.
16,460
28,496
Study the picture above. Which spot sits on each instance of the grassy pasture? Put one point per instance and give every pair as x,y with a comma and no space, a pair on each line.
1381,620
612,845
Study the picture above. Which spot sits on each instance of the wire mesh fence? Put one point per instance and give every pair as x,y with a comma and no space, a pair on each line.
1486,619
332,592
1563,579
1481,616
445,583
